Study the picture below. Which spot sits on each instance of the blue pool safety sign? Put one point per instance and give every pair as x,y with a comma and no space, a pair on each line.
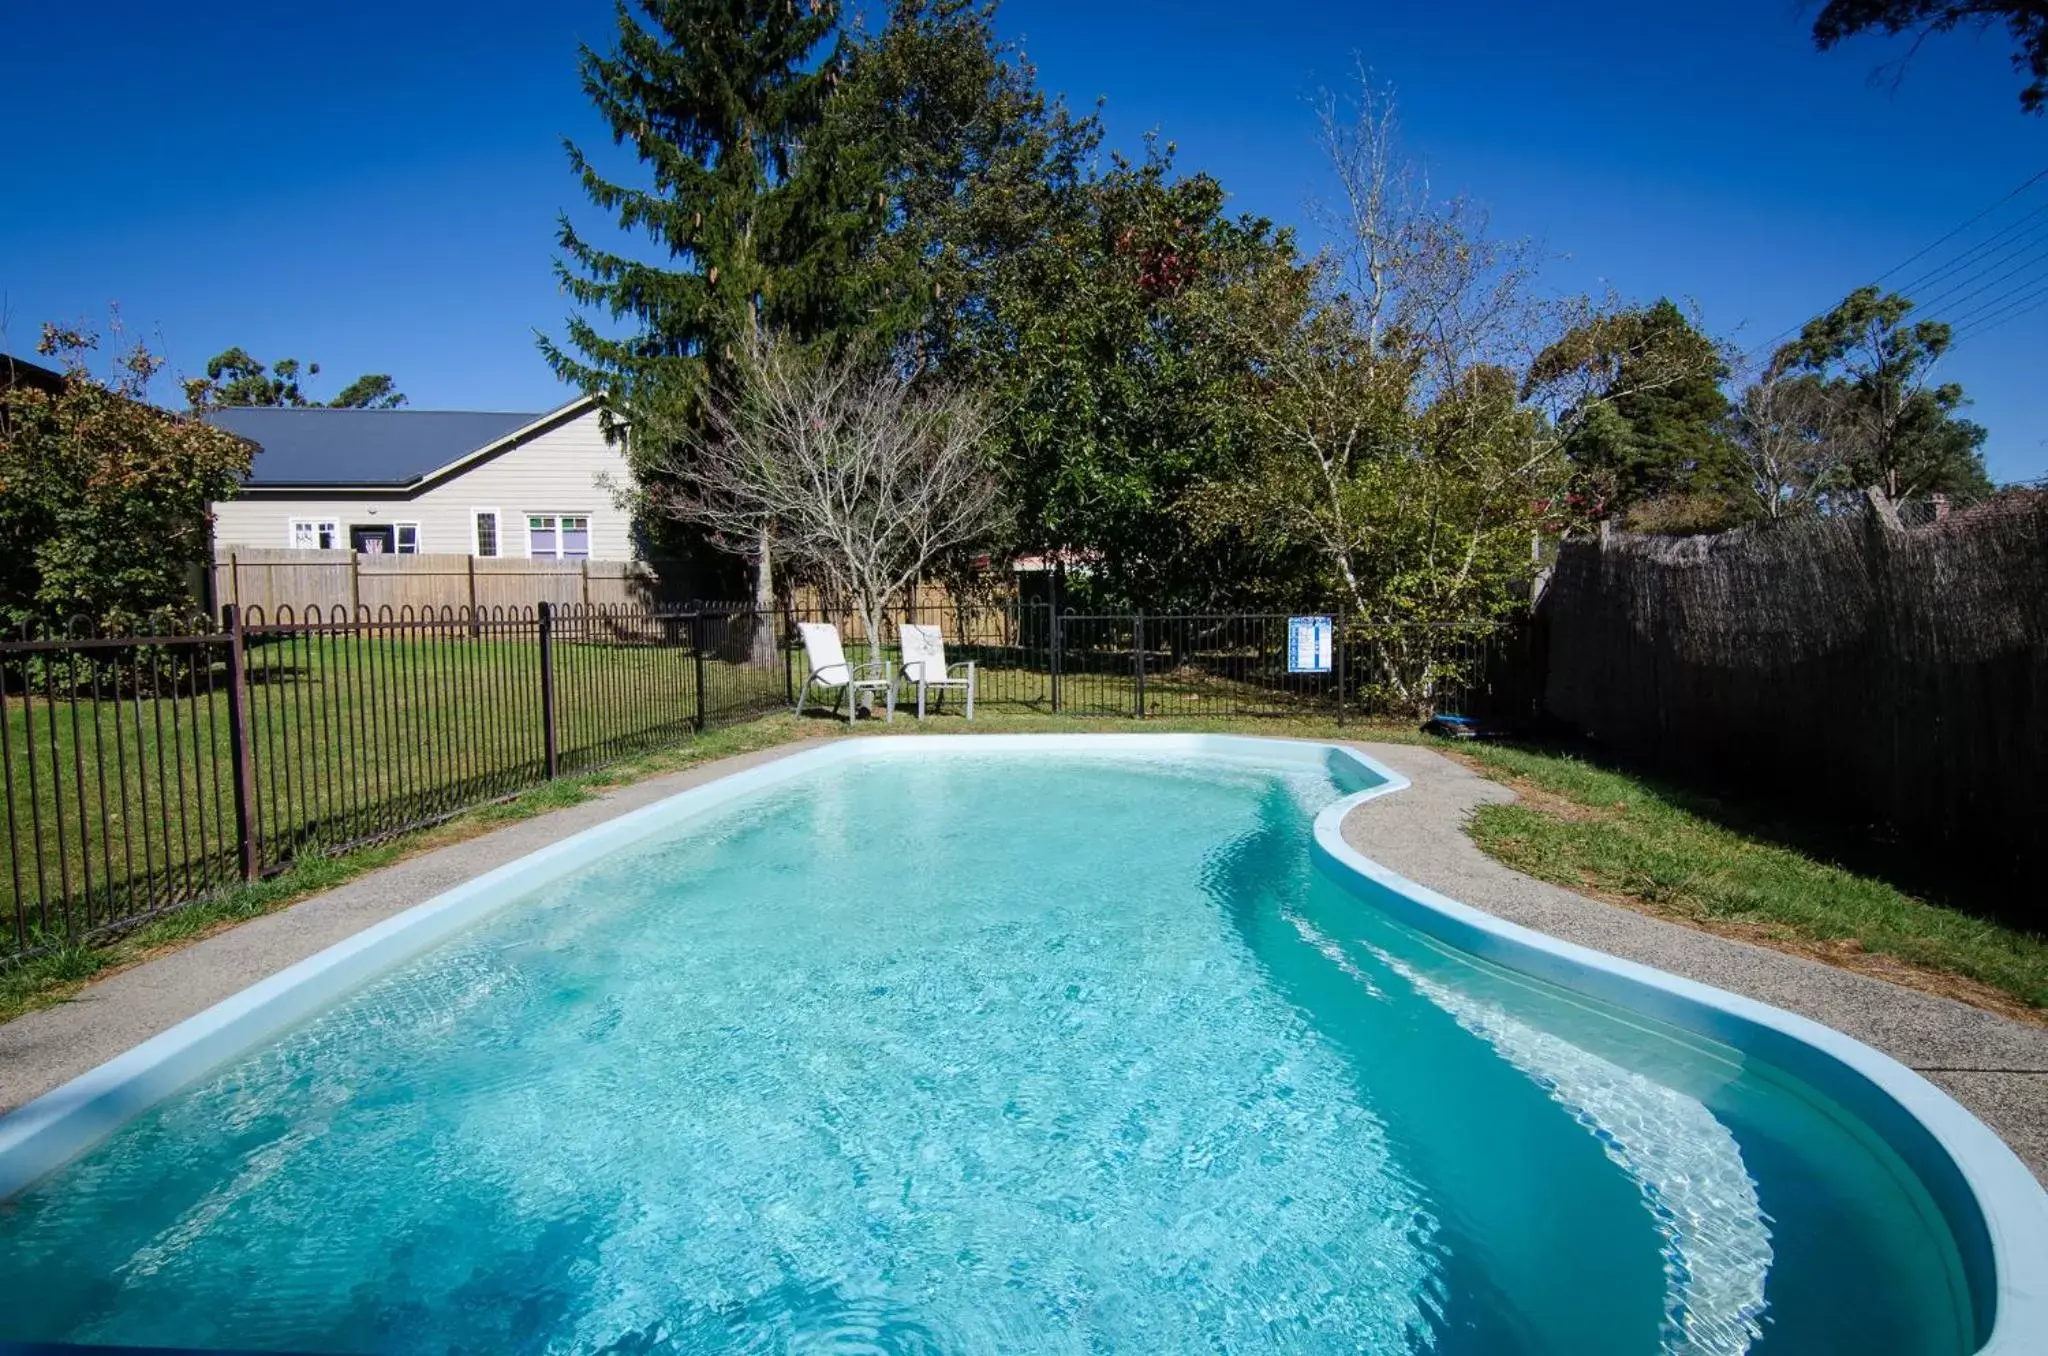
1308,644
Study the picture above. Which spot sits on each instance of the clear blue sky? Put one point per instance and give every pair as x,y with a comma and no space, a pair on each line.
374,185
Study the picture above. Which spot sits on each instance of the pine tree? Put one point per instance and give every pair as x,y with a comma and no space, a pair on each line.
715,98
1656,428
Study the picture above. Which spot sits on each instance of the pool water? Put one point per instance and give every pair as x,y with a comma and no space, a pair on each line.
988,1053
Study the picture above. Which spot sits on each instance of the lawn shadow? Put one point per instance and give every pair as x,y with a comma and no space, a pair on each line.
1993,886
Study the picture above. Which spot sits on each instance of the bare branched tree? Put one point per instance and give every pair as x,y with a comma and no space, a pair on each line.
1789,431
1412,397
861,476
1428,278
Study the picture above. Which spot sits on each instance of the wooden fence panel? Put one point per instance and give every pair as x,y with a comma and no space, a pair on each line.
519,583
270,580
1852,669
418,582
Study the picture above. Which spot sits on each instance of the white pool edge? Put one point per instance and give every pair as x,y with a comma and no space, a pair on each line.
1975,1177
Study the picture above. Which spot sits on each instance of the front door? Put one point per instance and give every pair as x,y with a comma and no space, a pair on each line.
371,539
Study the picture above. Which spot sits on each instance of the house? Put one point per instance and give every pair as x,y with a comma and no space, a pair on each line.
428,481
21,372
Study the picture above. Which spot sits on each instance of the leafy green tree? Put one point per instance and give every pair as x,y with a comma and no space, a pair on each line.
715,98
1122,391
1894,427
974,174
106,503
1651,429
237,379
372,391
1404,446
2026,21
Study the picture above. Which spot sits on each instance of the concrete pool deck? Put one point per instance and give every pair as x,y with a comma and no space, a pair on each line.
1995,1067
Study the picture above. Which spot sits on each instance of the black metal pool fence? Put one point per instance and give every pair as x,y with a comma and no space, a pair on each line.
145,771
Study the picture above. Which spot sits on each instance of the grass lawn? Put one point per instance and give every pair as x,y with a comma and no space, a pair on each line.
1616,836
1674,853
113,808
56,975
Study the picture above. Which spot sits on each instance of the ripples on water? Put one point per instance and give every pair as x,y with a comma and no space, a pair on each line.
999,1054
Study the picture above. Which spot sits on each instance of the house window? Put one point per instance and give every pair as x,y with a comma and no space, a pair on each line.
487,532
558,536
314,534
408,539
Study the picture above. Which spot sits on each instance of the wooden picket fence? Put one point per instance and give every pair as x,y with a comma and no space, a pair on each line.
324,580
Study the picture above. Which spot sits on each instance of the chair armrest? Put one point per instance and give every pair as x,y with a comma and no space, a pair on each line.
967,664
873,670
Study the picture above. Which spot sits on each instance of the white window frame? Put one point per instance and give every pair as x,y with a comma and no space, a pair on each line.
332,526
398,531
476,541
526,527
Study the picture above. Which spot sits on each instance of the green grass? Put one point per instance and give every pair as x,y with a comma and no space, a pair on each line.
58,973
1678,855
120,805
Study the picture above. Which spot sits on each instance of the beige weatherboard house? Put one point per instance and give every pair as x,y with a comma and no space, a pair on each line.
414,482
425,508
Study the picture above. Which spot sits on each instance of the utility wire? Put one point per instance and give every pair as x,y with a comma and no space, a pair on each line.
1990,318
1750,359
2043,174
1982,256
1951,299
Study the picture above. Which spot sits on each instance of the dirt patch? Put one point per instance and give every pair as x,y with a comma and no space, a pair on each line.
1532,795
1846,953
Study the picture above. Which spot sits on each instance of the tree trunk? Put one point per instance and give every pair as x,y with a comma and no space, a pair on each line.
761,651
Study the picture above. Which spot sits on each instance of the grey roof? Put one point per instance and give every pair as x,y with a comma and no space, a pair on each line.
21,372
360,447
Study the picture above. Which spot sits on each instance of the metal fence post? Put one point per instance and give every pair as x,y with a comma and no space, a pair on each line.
1052,621
697,661
547,690
786,637
1138,654
247,850
1337,643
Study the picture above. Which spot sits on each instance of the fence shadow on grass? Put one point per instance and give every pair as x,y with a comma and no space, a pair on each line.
1994,888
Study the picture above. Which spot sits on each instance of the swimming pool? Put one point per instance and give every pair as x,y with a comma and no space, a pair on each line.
1102,1043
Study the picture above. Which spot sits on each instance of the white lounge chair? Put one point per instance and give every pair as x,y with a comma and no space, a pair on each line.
924,663
829,668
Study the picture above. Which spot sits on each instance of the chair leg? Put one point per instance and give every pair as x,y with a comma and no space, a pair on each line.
802,693
890,718
920,701
970,700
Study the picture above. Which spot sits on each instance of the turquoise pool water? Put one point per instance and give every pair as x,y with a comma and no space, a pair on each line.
1004,1052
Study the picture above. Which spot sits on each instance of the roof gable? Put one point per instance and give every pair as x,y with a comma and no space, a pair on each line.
367,449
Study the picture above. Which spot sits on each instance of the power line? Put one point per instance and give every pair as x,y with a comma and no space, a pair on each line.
2043,174
1951,299
1991,317
1971,255
1749,359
